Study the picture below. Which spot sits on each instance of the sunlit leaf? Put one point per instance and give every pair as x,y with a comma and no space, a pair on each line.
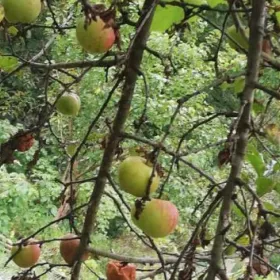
8,63
214,3
230,250
165,17
239,85
264,185
244,240
2,14
196,2
256,160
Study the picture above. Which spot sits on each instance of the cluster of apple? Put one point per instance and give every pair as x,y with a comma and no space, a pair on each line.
96,36
27,254
155,217
24,142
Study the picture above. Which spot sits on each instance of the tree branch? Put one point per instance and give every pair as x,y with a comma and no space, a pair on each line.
243,128
135,52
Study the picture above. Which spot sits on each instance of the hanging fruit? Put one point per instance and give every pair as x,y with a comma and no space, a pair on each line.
120,271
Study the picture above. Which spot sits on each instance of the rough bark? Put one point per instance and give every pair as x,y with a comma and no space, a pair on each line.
242,132
134,58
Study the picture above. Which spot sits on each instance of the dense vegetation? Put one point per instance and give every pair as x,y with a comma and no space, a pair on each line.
191,86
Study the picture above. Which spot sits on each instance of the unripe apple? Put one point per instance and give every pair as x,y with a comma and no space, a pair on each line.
134,175
68,248
27,255
69,104
159,218
237,36
95,37
23,11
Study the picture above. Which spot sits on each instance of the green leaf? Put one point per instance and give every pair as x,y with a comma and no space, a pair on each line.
276,167
244,240
237,211
230,250
258,107
268,206
1,13
277,14
256,160
165,17
264,185
224,86
277,187
239,85
196,2
214,3
71,149
8,63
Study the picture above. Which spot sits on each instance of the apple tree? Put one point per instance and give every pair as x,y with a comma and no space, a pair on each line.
156,118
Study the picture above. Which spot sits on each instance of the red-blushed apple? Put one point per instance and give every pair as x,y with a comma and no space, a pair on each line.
134,175
68,248
69,104
22,11
158,218
120,271
27,254
96,37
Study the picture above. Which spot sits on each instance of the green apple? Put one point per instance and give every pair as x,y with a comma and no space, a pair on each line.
238,37
69,104
26,255
22,11
68,248
134,175
159,218
95,37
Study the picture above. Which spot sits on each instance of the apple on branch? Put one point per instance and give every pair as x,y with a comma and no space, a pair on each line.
22,11
26,255
69,104
95,37
156,218
68,248
134,176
